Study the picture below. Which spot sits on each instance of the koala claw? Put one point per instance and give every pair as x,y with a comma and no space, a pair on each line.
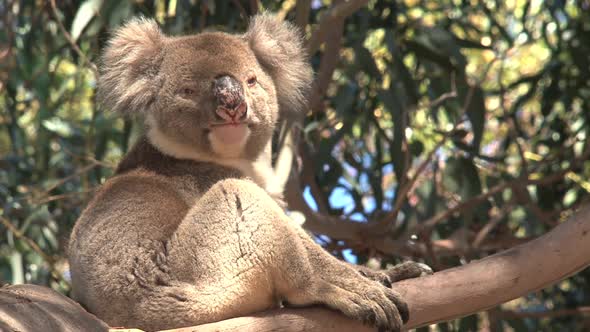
408,270
426,270
378,276
373,305
386,311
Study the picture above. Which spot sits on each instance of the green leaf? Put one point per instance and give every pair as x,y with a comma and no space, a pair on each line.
85,13
476,111
365,60
461,176
439,46
117,12
402,73
329,173
416,148
59,126
468,324
344,101
518,325
393,104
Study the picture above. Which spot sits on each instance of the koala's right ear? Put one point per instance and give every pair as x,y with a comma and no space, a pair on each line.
129,67
278,45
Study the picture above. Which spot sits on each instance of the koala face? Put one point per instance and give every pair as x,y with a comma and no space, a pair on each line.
208,96
215,96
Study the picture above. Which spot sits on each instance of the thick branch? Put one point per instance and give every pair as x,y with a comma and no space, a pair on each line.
502,277
337,12
455,292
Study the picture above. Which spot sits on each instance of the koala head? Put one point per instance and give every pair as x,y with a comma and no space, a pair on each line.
211,95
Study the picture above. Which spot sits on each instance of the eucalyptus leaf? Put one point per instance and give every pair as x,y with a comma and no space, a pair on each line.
59,126
87,11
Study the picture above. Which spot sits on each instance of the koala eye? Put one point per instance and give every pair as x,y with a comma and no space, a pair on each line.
251,80
187,92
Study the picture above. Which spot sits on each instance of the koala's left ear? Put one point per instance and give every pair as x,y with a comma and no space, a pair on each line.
278,46
129,67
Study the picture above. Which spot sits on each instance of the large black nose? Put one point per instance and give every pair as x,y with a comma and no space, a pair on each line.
231,105
228,91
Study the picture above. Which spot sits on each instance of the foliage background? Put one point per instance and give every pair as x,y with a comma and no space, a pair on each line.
440,131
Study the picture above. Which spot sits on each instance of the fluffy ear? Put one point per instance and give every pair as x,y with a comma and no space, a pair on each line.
129,66
278,45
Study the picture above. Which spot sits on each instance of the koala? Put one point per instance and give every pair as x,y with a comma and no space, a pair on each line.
188,230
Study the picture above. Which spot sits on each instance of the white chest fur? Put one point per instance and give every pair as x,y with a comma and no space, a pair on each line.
260,170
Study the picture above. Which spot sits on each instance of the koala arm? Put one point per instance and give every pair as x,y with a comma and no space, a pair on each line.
114,240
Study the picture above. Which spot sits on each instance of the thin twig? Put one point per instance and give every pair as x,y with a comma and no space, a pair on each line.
336,13
34,246
53,198
71,40
585,311
243,12
409,185
401,196
89,158
79,172
254,6
432,222
285,156
50,260
445,96
309,178
490,225
286,7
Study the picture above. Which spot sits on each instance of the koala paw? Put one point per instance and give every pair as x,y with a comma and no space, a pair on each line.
362,299
408,270
377,306
380,276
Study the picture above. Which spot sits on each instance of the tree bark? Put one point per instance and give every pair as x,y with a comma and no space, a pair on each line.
33,308
451,293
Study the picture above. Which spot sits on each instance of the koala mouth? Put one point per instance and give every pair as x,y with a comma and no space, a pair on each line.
233,133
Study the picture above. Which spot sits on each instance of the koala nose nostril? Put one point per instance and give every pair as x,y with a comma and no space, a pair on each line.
243,111
235,114
229,94
228,91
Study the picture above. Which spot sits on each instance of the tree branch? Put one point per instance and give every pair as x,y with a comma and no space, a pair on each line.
356,234
544,314
286,154
302,9
50,260
501,277
451,293
328,64
337,12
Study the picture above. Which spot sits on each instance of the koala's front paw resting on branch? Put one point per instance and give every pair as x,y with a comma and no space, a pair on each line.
343,288
408,270
405,270
373,305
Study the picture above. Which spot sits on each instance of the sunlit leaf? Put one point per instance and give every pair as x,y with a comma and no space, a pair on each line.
59,126
85,13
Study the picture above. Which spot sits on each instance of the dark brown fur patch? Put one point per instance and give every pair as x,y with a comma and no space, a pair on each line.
145,157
